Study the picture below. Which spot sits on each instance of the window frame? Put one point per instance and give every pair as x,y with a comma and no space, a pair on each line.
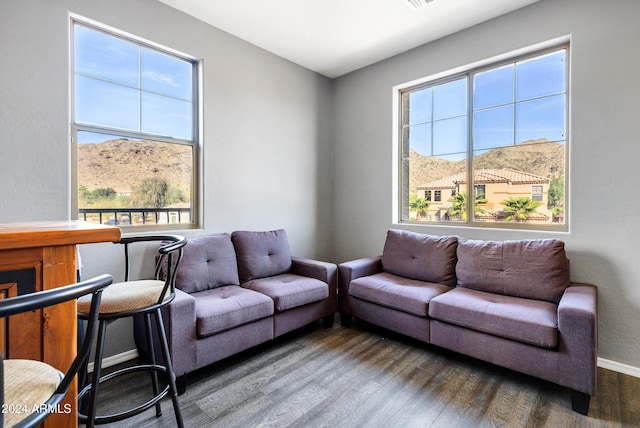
537,194
477,187
196,128
401,177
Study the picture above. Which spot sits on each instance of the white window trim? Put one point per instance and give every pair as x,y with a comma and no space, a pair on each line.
396,146
197,196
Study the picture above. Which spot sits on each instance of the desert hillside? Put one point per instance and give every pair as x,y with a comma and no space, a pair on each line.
121,163
538,157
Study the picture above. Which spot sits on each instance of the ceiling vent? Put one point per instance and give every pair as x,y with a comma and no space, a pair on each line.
417,4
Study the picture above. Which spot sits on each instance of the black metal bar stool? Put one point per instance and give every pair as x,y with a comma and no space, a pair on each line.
137,297
26,384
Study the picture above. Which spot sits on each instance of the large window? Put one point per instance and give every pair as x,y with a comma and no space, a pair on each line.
135,133
500,130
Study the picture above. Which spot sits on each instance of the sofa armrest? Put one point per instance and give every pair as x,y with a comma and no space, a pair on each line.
180,321
348,271
323,271
578,334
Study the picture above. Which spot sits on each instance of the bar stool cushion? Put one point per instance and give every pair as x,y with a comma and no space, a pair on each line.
127,296
27,385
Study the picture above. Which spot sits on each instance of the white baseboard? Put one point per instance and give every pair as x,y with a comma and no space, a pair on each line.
619,367
116,359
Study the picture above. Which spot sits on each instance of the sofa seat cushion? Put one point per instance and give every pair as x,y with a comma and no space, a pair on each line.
227,307
419,256
533,269
534,322
289,290
396,292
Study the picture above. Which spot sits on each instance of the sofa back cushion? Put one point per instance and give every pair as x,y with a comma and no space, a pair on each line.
534,269
261,254
209,262
422,257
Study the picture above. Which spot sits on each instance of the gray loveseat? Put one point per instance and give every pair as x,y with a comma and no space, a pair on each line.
237,291
510,303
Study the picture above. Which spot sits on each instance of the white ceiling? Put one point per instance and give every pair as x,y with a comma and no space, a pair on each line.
334,37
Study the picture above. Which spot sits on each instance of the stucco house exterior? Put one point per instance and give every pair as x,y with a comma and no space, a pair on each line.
495,184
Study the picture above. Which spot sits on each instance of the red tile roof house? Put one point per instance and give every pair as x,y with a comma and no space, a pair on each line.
496,185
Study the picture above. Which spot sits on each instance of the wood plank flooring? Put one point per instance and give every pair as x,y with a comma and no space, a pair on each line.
364,376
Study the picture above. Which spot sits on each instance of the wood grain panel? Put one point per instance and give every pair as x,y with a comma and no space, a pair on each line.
24,335
9,289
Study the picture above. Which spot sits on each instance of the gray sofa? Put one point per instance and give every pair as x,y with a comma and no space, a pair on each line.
237,291
510,303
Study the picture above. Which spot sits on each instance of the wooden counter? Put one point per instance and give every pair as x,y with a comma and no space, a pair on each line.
49,248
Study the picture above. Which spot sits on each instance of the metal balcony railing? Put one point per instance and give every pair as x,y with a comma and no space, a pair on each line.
133,216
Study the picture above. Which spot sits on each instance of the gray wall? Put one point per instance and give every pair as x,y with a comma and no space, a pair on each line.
266,151
604,229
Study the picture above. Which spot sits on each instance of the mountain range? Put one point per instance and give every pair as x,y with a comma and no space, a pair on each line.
121,164
539,157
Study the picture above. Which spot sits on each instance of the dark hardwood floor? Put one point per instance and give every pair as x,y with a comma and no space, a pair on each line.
363,376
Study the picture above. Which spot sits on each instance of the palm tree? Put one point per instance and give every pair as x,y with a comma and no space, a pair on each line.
419,205
520,209
459,207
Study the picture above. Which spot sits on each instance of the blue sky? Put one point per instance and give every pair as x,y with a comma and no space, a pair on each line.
511,104
121,85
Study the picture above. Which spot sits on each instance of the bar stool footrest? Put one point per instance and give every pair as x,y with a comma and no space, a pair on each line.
107,419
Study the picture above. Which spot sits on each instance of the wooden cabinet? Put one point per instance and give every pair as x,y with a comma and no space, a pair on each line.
49,248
